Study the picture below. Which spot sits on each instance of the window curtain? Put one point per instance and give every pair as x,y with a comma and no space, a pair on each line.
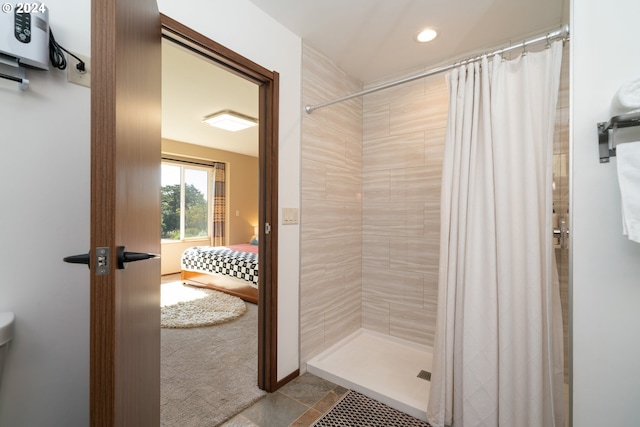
219,204
498,356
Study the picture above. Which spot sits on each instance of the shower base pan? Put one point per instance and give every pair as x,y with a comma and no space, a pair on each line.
385,368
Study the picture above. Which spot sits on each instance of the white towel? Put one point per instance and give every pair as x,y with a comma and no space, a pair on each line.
628,155
627,99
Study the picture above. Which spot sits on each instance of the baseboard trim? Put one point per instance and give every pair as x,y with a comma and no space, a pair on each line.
295,374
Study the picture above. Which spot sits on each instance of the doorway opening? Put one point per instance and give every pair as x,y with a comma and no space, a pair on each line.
246,222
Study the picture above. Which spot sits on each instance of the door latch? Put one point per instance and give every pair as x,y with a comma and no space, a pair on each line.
102,261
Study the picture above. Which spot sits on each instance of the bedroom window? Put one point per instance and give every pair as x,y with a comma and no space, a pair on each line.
185,201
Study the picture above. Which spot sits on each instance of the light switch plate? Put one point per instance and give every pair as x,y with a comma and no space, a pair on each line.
289,216
76,77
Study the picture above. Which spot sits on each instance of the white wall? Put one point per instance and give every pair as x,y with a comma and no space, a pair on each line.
44,170
171,254
239,25
606,266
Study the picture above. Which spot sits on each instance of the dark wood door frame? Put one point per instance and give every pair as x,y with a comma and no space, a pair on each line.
268,82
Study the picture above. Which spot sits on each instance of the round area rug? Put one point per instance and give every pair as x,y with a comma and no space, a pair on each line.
190,307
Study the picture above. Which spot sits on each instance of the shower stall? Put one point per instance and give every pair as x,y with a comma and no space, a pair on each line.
370,229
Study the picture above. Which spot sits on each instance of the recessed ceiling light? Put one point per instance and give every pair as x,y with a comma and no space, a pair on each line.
230,120
426,35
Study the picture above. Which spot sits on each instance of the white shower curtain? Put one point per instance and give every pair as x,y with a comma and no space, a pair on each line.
498,357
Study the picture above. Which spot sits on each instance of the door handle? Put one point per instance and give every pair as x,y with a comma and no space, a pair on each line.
125,257
102,260
78,259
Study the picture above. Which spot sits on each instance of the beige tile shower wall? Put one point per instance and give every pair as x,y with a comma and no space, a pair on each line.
561,194
404,133
394,161
561,141
331,208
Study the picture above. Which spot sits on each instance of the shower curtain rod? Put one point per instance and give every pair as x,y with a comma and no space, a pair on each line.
561,33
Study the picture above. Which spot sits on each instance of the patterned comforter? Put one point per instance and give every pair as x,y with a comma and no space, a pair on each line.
222,260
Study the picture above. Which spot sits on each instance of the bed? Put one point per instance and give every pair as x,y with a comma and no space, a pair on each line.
231,269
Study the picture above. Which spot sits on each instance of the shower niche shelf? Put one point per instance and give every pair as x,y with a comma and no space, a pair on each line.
606,144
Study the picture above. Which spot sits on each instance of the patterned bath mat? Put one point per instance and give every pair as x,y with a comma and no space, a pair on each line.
357,410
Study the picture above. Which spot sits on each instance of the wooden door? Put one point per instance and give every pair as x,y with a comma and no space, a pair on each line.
125,211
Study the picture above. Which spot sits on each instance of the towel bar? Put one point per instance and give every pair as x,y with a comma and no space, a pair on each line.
24,83
607,150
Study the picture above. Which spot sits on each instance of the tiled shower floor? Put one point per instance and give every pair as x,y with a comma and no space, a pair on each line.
381,367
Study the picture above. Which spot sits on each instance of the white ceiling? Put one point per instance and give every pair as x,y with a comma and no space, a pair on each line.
368,39
194,87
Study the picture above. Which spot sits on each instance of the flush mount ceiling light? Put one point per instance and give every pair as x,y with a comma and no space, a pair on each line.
230,120
426,35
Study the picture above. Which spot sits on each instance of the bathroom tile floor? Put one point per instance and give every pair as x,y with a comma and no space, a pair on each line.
297,404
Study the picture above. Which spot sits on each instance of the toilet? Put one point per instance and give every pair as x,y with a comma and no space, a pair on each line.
7,319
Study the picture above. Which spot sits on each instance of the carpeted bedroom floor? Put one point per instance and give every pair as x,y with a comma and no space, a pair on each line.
209,374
